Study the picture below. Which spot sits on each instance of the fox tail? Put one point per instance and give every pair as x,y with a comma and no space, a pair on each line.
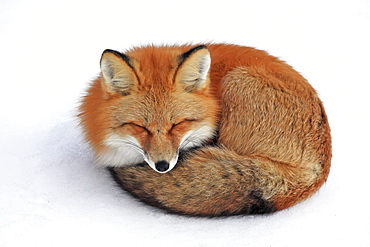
215,181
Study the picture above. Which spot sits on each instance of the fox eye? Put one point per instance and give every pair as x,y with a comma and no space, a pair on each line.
183,122
135,126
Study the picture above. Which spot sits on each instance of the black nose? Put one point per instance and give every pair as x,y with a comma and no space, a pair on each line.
162,166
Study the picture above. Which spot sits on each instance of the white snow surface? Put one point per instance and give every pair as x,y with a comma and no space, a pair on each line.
52,194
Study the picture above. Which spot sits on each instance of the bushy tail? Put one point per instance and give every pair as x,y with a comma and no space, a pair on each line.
216,181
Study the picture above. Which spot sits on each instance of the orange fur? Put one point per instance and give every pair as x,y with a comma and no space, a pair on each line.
273,144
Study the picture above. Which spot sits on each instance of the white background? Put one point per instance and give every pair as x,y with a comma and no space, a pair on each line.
52,195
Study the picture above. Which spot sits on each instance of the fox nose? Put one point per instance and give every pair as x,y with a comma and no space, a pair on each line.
162,166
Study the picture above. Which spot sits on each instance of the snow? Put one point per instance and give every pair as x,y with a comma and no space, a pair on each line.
51,194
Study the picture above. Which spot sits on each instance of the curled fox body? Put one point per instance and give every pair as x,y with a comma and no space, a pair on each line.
207,130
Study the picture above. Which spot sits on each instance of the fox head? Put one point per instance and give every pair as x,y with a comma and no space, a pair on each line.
151,104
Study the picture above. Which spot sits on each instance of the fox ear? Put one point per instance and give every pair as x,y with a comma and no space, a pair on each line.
117,72
193,71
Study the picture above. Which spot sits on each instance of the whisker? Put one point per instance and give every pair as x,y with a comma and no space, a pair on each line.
128,143
197,138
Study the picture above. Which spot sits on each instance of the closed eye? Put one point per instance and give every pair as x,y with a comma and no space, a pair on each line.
135,125
183,122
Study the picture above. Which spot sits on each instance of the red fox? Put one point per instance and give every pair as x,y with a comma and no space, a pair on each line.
207,130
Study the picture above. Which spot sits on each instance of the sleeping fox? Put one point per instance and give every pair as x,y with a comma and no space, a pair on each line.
207,130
